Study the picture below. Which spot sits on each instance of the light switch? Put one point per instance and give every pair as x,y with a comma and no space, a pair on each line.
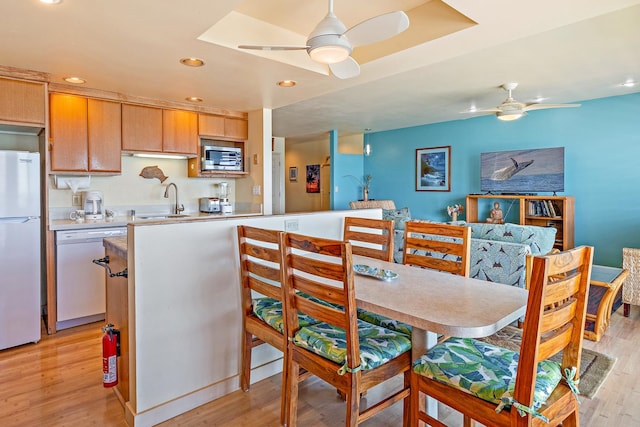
255,159
256,190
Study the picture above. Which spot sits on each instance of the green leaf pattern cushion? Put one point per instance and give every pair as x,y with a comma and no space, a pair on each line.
483,370
377,345
270,311
385,322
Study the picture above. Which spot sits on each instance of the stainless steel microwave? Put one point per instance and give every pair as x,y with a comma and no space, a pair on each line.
221,158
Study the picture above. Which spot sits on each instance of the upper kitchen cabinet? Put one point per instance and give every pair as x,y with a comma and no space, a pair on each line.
226,127
156,130
141,128
22,102
84,134
180,132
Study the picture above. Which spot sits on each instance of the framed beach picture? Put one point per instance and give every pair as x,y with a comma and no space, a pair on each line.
313,178
433,169
293,173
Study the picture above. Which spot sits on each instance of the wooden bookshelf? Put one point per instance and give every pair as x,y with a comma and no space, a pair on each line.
543,211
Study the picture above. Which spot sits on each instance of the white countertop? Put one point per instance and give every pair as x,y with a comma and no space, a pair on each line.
122,221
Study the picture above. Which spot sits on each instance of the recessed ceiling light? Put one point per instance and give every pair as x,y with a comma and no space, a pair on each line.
75,80
193,99
287,83
192,62
629,83
51,1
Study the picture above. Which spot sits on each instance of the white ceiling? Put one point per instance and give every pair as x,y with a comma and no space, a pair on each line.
563,50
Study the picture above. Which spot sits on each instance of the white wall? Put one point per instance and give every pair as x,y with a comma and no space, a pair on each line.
186,315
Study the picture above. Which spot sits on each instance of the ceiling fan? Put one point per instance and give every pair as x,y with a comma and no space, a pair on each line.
510,109
331,43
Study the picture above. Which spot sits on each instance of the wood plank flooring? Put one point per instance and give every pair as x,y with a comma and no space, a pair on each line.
58,382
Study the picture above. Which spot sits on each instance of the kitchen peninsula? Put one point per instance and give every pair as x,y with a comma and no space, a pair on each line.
180,309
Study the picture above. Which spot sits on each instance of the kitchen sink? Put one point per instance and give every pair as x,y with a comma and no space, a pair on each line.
162,216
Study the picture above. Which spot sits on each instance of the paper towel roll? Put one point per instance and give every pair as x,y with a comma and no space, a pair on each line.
75,183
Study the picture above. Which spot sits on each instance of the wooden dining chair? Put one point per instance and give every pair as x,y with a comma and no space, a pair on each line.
369,237
477,379
261,294
438,246
350,354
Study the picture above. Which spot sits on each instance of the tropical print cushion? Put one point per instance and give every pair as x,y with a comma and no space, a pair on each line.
399,217
499,262
270,311
377,344
385,322
483,370
540,239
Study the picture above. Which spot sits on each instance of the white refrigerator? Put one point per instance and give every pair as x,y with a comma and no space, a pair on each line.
19,248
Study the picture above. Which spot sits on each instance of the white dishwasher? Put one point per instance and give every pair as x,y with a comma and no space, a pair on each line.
80,284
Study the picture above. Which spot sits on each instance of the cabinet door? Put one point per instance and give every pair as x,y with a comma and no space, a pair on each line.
22,102
141,128
179,132
209,125
68,133
236,128
104,136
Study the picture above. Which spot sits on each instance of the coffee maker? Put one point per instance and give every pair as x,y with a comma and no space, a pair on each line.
93,203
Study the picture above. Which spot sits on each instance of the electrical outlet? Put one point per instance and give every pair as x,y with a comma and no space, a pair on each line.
290,225
76,200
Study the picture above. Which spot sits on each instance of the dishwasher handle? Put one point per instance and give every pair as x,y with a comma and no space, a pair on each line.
104,263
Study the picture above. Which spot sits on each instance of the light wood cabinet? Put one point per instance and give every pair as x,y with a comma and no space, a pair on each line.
543,211
156,130
226,127
84,134
22,102
180,132
141,128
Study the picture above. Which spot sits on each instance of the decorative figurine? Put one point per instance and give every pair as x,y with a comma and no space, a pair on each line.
496,215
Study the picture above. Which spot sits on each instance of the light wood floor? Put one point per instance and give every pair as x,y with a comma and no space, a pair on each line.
58,382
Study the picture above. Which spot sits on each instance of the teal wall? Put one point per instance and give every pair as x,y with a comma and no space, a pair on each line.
346,170
602,165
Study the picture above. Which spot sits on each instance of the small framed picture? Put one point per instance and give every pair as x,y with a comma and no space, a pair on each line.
293,173
433,169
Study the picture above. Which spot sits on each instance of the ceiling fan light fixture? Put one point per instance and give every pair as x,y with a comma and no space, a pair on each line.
510,116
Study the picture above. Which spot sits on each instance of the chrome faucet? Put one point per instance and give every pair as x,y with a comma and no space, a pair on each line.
177,208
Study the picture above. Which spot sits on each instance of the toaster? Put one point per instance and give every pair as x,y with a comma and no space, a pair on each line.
210,204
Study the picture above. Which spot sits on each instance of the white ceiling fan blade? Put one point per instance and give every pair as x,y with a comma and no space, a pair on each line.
378,28
482,111
256,47
346,69
532,107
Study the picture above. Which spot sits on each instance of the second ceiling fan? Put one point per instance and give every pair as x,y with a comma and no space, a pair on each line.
510,109
332,43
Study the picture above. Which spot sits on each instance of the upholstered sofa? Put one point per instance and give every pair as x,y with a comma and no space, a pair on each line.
498,251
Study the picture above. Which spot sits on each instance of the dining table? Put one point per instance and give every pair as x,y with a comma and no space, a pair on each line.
436,303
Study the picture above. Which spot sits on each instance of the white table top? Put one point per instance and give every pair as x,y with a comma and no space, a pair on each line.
439,302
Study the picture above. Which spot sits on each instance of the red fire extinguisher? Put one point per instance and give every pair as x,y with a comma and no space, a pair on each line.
109,356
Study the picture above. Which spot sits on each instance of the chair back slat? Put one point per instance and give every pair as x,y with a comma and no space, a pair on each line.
556,311
555,342
264,288
451,255
262,270
323,313
317,267
331,294
372,238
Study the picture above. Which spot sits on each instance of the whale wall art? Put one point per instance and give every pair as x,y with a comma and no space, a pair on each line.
523,171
